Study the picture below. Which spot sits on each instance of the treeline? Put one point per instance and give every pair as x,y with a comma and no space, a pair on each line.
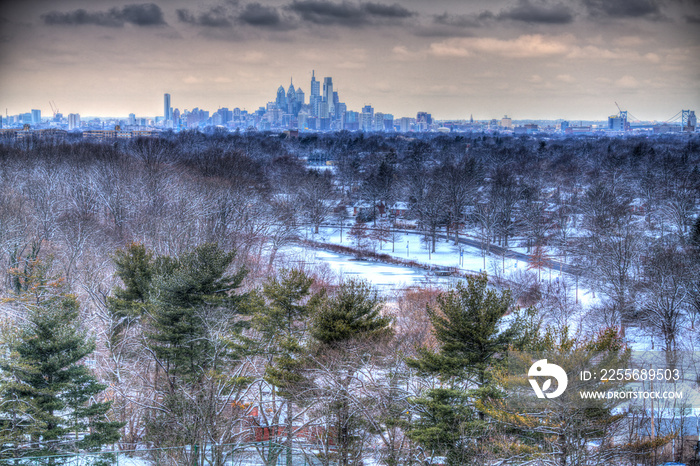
619,211
193,360
166,251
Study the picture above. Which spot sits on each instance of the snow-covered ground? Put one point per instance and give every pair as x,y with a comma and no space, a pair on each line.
410,246
385,277
124,460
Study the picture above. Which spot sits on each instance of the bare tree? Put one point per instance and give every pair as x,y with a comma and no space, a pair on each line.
613,261
430,208
505,192
460,181
664,300
317,198
44,190
679,209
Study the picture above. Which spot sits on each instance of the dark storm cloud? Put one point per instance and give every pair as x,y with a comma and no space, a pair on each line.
387,11
4,37
215,17
146,14
527,11
256,14
692,19
346,13
538,13
623,8
463,21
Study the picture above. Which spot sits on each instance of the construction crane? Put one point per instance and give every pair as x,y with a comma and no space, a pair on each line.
54,109
623,114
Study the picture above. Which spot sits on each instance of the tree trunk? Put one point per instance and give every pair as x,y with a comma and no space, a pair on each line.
290,432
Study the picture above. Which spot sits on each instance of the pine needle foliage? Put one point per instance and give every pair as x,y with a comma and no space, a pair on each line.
469,325
48,393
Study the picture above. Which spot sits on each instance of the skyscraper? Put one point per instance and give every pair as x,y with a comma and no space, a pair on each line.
315,85
292,99
73,121
315,96
167,113
328,96
36,116
281,100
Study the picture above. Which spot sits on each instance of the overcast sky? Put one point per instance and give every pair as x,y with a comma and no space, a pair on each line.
547,59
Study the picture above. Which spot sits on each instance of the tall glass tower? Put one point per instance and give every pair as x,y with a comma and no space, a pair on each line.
315,96
328,96
315,85
166,108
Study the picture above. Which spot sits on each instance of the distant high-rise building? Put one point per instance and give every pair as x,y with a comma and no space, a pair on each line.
132,119
315,96
315,85
424,117
281,100
0,121
378,123
405,124
73,121
26,118
167,110
328,96
367,118
36,116
388,122
350,120
300,97
340,108
292,106
616,123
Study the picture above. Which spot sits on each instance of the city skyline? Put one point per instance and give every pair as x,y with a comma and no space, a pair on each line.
529,59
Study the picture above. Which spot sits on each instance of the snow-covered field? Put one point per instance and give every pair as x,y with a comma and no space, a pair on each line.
410,246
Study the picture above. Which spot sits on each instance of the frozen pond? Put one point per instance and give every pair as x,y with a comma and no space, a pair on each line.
385,277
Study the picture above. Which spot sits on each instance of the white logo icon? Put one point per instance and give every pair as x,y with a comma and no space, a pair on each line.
542,368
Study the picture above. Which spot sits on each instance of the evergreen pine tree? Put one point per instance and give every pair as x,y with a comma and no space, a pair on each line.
346,329
190,293
561,430
193,326
468,324
283,323
136,267
51,408
353,313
